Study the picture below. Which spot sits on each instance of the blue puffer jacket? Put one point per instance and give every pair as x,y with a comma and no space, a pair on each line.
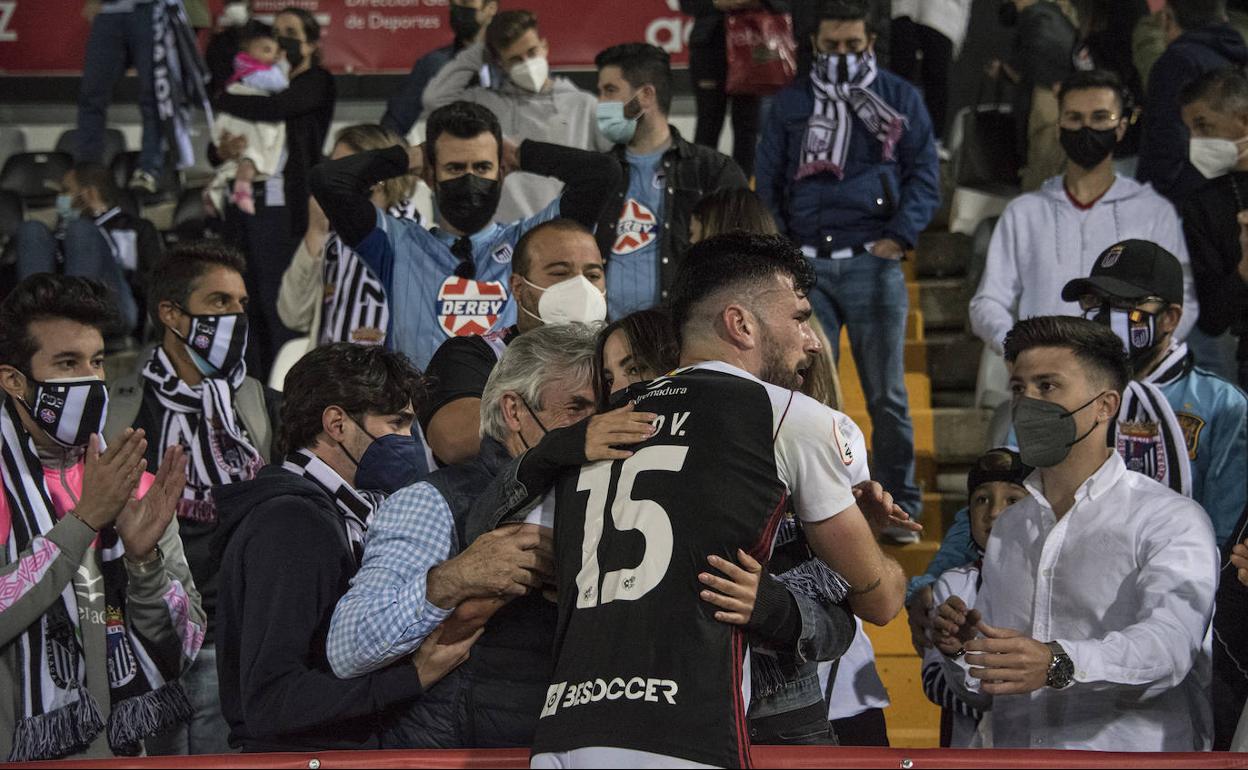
876,199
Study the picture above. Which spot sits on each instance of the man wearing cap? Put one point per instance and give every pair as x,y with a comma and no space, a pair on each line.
1138,293
1194,437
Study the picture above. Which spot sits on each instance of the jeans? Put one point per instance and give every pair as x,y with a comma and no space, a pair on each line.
867,294
87,253
207,732
118,40
866,729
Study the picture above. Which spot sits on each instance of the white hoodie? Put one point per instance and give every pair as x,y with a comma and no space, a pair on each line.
1042,241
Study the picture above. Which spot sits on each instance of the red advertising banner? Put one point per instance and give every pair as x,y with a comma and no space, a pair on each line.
364,36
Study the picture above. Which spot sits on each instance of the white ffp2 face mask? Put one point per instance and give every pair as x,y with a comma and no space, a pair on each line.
530,74
575,300
1213,157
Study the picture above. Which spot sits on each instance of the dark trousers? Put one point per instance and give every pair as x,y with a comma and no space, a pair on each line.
86,252
865,729
708,69
118,40
265,240
923,56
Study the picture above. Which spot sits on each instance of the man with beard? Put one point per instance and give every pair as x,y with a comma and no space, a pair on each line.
733,447
452,281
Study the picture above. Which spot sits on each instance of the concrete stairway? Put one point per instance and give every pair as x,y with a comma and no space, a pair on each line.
942,360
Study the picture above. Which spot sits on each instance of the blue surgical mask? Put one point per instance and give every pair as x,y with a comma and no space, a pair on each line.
390,463
65,209
614,125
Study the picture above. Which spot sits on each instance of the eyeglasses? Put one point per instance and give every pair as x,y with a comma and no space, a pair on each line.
1098,121
1091,304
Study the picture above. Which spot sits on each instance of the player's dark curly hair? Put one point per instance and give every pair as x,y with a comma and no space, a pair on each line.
45,296
736,260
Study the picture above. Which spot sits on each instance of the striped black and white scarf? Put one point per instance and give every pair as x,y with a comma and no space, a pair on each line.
811,578
828,131
356,309
59,716
1150,438
356,506
202,419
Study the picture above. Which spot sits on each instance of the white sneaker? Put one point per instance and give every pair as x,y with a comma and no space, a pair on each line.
898,536
141,180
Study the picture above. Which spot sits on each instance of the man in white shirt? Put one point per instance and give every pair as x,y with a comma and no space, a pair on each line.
1091,628
530,104
1054,235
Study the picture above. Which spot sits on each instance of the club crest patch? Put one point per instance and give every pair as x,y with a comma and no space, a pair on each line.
1142,449
466,307
1111,257
502,255
1192,426
122,666
636,229
819,134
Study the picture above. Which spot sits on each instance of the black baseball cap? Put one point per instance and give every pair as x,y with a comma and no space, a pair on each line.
1000,464
1132,269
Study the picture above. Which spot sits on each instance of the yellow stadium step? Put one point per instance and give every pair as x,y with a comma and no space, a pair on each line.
913,720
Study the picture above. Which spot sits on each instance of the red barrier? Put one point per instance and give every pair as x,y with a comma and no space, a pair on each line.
763,756
360,36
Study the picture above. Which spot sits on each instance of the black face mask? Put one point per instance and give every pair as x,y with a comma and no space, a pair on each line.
464,23
294,50
468,202
1007,14
1087,147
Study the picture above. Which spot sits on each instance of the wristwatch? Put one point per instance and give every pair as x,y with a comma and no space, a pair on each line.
1061,670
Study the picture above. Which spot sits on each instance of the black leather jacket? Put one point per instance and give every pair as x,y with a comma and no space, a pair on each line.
691,171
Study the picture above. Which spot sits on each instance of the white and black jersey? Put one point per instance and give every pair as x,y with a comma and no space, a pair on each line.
642,664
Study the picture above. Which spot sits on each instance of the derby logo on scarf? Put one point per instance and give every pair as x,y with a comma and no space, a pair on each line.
466,307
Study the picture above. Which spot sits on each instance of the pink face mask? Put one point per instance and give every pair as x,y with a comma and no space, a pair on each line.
1156,5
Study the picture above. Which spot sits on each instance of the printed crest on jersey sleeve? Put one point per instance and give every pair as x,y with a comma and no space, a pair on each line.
844,449
466,307
637,228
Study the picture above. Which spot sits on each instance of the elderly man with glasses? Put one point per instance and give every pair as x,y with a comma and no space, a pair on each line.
1054,235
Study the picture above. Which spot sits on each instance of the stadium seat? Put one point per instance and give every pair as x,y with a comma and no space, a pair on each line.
123,167
11,214
114,144
190,218
129,202
35,176
12,141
